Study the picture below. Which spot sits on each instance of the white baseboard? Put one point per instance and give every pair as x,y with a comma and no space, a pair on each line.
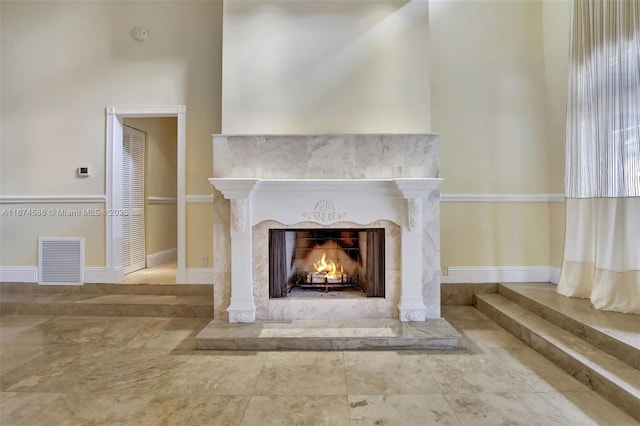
554,275
494,274
196,276
98,274
161,257
92,274
18,274
29,274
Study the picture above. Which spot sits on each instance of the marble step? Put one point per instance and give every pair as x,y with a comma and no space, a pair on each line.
141,289
383,334
612,378
615,333
145,305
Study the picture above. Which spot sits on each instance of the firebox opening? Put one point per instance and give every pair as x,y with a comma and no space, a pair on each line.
307,262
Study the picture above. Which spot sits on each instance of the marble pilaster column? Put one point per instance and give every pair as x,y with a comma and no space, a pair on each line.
242,307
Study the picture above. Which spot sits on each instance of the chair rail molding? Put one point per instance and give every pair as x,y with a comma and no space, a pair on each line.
502,198
52,199
198,198
162,200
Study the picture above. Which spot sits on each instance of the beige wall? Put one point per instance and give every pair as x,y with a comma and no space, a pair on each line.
491,102
495,234
160,180
199,231
62,64
487,69
19,235
325,67
556,233
556,15
489,76
487,80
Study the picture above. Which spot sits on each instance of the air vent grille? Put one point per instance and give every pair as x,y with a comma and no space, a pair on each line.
61,260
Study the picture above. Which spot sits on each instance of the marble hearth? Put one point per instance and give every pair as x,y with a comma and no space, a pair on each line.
326,181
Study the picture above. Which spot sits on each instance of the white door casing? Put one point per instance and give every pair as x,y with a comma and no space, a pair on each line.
113,184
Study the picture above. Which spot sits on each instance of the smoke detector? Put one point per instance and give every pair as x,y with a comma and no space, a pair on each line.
140,33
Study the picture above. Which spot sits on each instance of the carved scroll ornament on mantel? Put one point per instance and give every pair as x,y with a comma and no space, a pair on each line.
415,214
325,212
412,316
239,214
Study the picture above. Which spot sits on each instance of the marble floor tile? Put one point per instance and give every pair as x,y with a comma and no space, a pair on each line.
468,313
88,409
494,338
157,275
540,373
400,410
11,326
192,410
476,325
217,374
129,370
380,373
584,408
14,356
508,409
16,406
476,373
101,331
167,333
302,373
298,410
57,368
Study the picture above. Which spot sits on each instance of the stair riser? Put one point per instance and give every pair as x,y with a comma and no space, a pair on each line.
608,390
184,311
133,289
326,344
612,346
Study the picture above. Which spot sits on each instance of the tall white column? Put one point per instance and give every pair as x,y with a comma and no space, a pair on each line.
412,307
412,303
242,307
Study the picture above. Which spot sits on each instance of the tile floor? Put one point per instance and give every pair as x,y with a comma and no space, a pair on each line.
145,371
157,275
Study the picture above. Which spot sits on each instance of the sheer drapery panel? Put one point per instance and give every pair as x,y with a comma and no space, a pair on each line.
603,115
602,181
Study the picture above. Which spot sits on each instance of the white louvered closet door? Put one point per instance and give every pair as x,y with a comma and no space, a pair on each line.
133,249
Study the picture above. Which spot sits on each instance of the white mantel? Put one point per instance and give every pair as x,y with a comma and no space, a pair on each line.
385,180
326,201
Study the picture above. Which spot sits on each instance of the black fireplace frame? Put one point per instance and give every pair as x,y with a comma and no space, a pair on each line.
279,286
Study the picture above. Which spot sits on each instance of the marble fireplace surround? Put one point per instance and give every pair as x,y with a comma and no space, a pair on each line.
268,181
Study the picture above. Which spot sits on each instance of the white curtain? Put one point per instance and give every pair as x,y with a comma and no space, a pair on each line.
602,240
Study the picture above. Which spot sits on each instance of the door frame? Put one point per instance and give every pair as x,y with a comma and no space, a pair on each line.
113,183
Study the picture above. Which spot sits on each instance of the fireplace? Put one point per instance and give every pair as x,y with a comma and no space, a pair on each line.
303,262
279,187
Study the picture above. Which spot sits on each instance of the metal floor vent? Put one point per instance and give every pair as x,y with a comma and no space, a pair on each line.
60,260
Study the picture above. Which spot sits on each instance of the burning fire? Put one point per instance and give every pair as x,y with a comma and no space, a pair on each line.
329,270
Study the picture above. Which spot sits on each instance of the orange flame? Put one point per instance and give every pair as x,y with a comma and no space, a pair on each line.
330,270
